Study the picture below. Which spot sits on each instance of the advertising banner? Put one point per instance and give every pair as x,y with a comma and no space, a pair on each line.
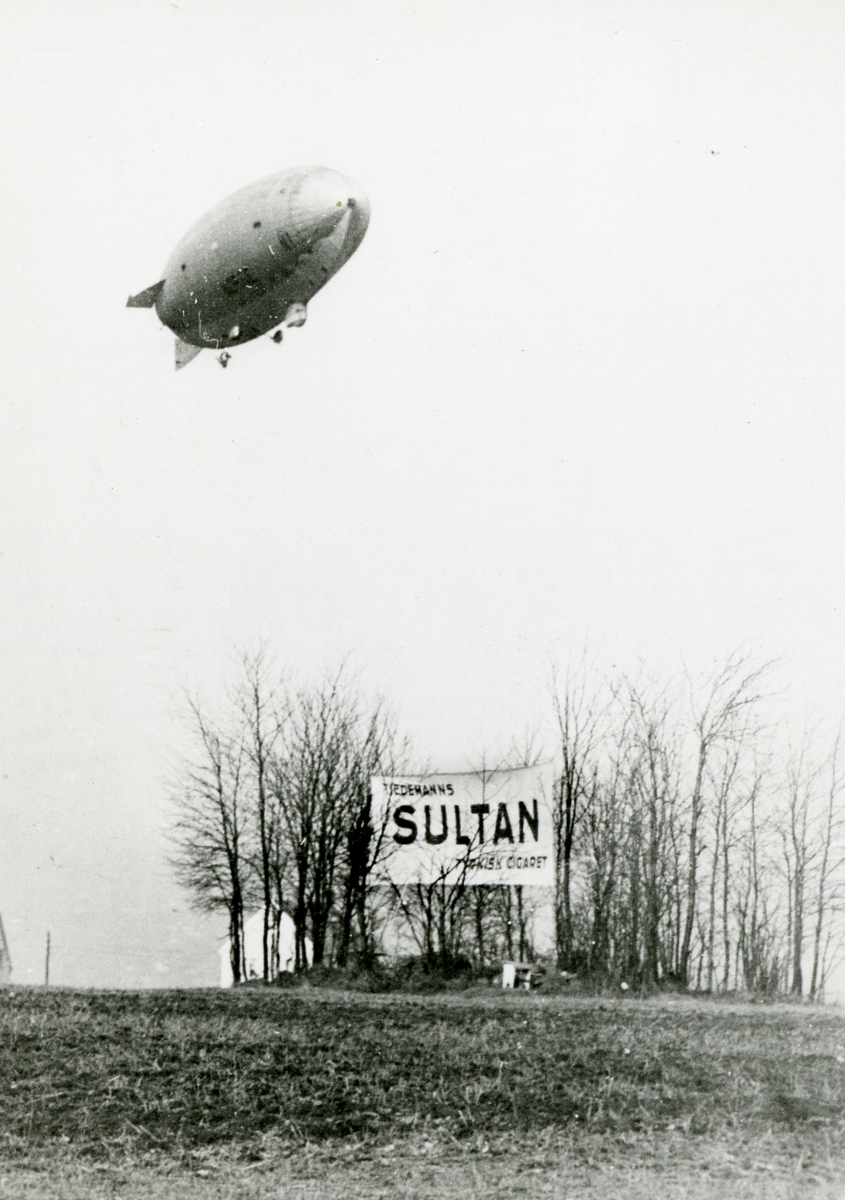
477,827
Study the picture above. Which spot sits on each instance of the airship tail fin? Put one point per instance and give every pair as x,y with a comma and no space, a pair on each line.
147,298
185,352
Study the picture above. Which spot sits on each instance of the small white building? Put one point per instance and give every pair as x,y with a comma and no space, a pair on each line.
254,949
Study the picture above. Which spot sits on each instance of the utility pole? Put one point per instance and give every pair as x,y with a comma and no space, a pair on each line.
47,962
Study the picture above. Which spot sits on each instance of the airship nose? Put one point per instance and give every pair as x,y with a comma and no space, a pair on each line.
358,207
323,199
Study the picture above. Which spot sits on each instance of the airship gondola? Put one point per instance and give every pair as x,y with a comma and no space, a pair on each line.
252,264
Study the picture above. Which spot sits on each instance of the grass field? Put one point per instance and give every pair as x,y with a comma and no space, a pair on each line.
308,1093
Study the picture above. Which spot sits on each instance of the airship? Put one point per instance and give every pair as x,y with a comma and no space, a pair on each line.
251,265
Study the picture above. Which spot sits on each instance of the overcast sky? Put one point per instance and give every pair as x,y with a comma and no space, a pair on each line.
581,383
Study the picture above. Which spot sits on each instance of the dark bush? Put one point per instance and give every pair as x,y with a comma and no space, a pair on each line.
412,974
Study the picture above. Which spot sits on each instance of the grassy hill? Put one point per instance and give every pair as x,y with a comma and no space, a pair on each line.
264,1079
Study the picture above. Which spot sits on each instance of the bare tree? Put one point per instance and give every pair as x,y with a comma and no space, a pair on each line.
380,751
435,912
211,828
798,852
726,786
330,744
762,938
580,720
602,839
653,787
310,783
256,699
829,883
721,715
811,828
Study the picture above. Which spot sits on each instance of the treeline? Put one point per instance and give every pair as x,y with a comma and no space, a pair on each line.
696,846
273,810
692,849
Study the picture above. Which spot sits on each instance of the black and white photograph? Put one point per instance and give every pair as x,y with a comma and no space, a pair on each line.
422,577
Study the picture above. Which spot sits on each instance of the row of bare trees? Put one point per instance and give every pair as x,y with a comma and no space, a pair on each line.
273,811
451,923
692,847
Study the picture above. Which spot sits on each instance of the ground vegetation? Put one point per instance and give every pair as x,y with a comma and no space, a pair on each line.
197,1092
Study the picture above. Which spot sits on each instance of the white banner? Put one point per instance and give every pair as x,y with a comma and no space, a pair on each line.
481,827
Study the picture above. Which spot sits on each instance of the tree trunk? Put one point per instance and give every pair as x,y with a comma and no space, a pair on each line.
692,865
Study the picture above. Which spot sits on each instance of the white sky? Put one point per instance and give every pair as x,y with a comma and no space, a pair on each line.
582,382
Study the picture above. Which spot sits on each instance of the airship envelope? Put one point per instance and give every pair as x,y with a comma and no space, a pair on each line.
253,262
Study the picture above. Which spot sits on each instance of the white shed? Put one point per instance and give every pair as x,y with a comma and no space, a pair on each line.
254,950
